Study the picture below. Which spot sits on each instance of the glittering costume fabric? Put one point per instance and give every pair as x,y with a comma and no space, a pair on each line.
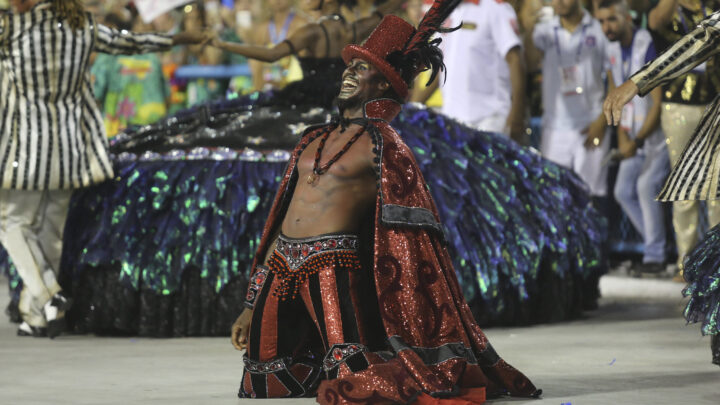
434,343
703,277
701,273
332,314
695,177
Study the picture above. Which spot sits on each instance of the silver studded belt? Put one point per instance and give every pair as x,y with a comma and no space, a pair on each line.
298,251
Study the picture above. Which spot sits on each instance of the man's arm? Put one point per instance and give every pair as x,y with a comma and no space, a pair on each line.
595,132
528,16
662,14
116,42
690,51
507,41
516,117
302,39
362,28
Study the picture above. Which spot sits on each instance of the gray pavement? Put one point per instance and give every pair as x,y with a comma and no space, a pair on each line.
636,349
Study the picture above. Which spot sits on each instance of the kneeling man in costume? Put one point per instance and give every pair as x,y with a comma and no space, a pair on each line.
353,296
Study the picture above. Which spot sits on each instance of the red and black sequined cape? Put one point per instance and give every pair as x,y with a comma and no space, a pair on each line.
438,346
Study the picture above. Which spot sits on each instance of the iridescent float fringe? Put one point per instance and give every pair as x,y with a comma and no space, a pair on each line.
508,213
702,272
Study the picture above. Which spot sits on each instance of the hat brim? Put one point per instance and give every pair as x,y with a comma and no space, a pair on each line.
351,52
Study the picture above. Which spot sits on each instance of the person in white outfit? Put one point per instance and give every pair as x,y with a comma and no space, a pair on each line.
52,137
573,69
645,162
487,86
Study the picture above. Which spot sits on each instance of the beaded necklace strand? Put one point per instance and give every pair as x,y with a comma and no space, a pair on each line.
317,172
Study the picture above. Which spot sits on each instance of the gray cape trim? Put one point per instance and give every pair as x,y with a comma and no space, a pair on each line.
393,214
436,355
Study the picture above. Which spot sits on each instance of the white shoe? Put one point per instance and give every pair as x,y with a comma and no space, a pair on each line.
54,311
26,330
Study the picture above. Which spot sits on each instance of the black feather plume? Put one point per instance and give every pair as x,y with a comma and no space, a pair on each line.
431,23
421,52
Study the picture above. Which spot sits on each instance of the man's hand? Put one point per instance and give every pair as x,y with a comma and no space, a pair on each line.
595,133
616,99
214,40
626,146
628,150
241,329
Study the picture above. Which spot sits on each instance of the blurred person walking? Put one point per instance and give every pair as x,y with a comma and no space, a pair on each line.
696,174
684,99
52,138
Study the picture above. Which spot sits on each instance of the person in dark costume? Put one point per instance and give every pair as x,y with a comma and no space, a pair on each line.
353,258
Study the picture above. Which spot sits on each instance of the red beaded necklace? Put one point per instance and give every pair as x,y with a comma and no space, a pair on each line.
317,172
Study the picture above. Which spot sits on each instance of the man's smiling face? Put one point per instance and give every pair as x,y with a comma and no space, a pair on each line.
361,82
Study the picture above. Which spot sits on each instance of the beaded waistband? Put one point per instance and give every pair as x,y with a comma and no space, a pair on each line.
298,251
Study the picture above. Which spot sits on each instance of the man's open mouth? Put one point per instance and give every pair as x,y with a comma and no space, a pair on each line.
349,84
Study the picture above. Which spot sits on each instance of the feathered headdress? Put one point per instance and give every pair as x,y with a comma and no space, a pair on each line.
421,51
400,51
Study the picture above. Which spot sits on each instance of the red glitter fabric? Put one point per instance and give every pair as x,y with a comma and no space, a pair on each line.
420,301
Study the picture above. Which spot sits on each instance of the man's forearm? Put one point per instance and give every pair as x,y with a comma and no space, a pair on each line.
516,116
256,52
390,6
661,15
517,82
690,51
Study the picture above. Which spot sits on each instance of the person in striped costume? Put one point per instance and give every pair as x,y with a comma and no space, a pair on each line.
696,175
52,138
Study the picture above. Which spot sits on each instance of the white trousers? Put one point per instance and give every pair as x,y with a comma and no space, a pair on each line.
567,148
31,229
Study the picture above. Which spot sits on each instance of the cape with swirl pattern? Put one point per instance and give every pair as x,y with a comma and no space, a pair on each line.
421,304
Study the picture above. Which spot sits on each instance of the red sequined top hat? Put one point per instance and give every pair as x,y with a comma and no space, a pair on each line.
390,36
416,50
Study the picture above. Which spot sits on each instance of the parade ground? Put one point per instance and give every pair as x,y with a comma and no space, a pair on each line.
635,349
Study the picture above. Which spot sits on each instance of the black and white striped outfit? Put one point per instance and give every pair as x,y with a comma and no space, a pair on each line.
52,138
697,174
51,131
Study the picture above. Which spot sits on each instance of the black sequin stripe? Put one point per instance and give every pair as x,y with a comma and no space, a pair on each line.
448,351
259,385
317,303
351,331
256,332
